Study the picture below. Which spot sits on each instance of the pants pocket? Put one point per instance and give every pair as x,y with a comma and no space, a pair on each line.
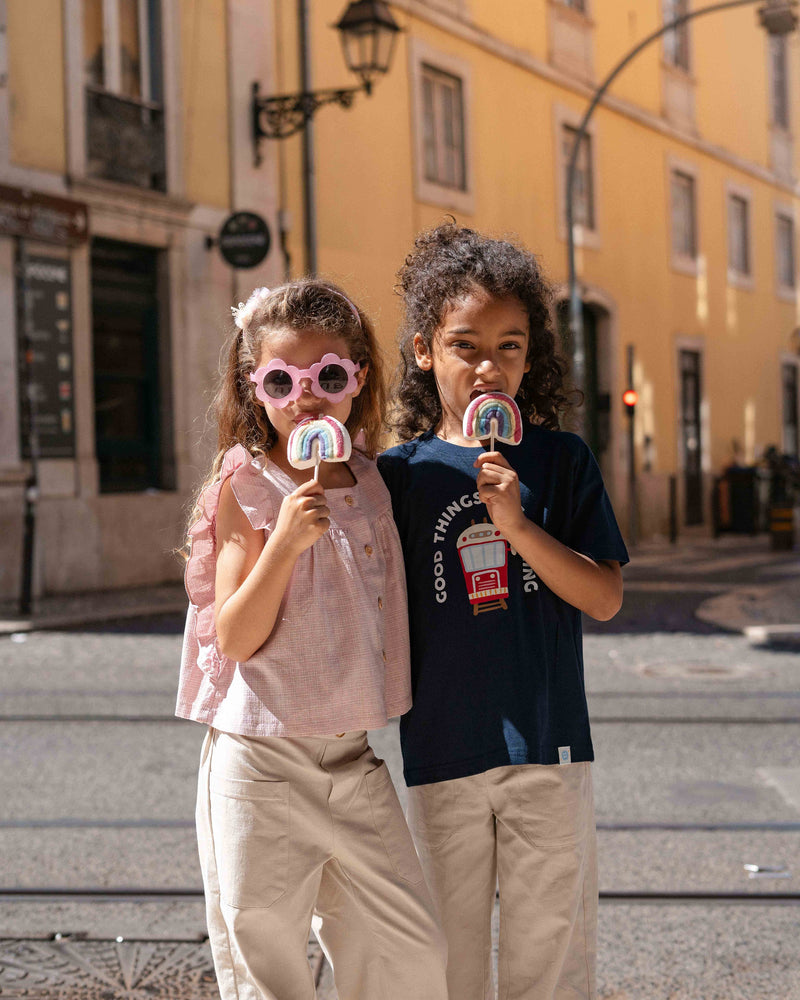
555,804
432,812
250,824
390,823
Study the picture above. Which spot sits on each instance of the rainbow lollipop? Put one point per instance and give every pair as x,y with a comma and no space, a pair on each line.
493,415
313,441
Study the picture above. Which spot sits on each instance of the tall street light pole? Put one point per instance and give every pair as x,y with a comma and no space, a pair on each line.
778,17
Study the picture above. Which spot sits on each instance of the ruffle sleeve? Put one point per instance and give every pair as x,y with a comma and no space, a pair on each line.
253,495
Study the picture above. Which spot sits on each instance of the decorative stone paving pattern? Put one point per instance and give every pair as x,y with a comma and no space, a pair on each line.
75,968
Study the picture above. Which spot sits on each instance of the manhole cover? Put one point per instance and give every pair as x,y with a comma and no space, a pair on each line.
106,970
696,669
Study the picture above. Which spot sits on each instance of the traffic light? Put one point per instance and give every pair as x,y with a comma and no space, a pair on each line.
630,398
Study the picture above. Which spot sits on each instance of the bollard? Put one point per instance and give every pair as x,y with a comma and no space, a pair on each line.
781,528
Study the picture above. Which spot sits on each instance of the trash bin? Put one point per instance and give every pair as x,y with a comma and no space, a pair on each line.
736,503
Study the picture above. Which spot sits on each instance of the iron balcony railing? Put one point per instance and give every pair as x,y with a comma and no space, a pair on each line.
125,140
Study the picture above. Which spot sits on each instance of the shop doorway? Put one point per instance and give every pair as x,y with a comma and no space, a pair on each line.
130,355
690,368
596,388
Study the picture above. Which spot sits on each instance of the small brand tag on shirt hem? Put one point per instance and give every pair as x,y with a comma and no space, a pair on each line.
565,755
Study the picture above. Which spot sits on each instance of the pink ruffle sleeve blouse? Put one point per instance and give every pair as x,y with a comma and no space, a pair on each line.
338,657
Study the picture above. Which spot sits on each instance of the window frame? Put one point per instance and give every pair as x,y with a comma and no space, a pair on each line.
737,194
441,81
425,58
684,263
783,212
780,103
584,164
565,118
150,35
171,105
681,36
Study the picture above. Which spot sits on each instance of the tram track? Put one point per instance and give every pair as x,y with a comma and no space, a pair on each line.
596,719
620,826
134,894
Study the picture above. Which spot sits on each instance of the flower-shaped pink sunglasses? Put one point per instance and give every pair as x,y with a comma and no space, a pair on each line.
331,377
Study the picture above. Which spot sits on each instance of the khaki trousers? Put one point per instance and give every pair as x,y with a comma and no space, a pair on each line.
287,825
531,830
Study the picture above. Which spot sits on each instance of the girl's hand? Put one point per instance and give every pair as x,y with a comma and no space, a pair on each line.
303,518
498,488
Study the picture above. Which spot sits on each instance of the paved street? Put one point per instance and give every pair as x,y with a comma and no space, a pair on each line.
695,730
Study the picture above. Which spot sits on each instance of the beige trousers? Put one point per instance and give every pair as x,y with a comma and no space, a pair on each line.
287,825
529,829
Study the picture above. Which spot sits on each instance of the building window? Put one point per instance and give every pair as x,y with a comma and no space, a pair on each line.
443,104
131,359
583,211
791,408
784,237
441,86
779,80
124,91
676,42
684,218
739,234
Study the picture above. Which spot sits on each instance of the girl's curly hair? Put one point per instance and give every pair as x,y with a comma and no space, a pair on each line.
447,262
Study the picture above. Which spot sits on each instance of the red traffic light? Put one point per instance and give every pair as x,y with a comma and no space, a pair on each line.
630,398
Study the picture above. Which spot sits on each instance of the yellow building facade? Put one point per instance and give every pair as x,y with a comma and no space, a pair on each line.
686,206
688,260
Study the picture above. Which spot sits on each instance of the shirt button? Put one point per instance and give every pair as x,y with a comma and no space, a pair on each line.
368,549
349,500
380,604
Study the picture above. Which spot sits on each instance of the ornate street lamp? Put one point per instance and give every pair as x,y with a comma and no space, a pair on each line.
368,33
777,17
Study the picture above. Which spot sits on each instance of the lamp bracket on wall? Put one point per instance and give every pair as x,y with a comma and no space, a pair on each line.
285,115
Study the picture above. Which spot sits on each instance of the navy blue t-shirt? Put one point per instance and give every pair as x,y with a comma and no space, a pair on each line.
496,657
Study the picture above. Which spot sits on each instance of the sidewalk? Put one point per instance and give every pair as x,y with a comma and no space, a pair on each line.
756,587
70,610
764,587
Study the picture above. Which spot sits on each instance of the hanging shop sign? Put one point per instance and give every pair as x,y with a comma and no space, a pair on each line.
43,217
244,239
44,330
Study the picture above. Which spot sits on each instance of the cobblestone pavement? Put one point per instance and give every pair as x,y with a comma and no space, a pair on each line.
695,728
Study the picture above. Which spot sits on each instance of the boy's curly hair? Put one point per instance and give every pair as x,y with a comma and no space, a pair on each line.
445,264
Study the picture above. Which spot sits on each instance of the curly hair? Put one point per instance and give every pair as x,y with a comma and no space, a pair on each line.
308,304
447,262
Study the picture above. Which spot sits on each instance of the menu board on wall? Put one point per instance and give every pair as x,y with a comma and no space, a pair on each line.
44,329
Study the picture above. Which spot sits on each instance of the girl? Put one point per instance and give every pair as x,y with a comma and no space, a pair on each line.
296,643
503,550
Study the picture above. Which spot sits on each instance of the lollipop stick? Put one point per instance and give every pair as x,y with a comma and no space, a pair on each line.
317,461
492,432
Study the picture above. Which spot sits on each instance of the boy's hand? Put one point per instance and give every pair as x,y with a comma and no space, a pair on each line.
498,488
303,518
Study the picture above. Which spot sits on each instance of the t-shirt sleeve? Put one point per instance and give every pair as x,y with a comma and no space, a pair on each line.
593,527
390,465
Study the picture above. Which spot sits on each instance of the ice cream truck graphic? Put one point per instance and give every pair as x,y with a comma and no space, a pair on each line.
483,552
